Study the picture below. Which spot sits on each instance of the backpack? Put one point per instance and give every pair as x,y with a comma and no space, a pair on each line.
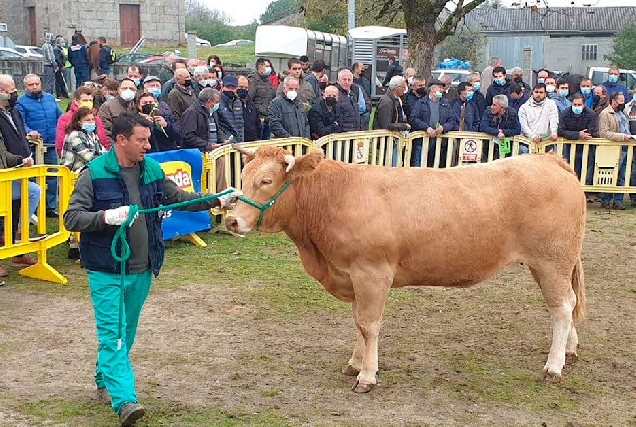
112,58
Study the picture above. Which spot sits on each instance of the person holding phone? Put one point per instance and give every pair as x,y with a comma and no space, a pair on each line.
164,134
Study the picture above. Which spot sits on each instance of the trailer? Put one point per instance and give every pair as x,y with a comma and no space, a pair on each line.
373,46
278,43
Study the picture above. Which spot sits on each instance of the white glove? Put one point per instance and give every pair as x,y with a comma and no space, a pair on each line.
229,198
118,215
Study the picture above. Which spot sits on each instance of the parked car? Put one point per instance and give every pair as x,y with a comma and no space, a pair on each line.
30,51
239,42
203,42
8,53
598,75
140,58
457,76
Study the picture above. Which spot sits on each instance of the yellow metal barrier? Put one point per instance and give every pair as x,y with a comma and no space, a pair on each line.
42,270
379,147
38,148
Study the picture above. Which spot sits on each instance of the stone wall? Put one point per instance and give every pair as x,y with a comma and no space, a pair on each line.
18,68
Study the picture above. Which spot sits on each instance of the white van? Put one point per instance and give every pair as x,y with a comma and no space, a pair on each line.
600,74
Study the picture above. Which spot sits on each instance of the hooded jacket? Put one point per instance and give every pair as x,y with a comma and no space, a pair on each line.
539,119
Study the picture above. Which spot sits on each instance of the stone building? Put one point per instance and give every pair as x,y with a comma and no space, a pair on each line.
122,22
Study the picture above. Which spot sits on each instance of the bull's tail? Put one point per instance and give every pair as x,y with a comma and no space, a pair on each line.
578,286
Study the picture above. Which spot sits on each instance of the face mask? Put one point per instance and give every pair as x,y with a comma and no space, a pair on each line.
438,94
541,80
577,110
128,95
147,108
586,90
214,109
518,79
37,94
241,93
4,96
596,99
620,107
267,71
212,63
331,101
477,85
550,88
564,93
88,127
410,80
155,91
137,81
291,95
230,94
469,95
612,78
87,104
219,74
421,91
187,83
500,81
406,91
322,85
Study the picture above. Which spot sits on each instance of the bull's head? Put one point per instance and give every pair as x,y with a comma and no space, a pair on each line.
267,185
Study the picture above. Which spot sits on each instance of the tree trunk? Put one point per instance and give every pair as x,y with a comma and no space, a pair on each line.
422,43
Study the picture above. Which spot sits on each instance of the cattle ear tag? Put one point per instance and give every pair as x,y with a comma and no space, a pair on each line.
504,146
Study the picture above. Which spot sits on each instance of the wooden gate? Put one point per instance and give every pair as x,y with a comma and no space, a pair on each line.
33,34
129,24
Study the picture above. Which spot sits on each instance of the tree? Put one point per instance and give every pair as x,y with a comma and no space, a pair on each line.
466,44
624,48
279,9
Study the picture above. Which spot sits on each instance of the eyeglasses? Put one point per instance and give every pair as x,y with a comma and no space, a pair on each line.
296,68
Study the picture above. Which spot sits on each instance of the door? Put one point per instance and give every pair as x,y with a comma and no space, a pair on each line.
129,24
33,35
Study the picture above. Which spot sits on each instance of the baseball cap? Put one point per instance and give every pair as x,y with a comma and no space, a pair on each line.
230,80
152,79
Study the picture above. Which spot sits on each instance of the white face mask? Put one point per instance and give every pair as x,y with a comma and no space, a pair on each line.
550,88
128,95
291,95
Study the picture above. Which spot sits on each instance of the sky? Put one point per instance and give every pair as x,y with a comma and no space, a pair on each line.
245,11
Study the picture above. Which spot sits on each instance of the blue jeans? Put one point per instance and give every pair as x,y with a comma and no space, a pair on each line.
48,83
114,370
416,158
34,194
265,134
50,158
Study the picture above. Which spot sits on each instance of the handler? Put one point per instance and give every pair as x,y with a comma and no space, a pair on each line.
99,204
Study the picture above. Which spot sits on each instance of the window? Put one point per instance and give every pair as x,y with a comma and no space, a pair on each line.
588,52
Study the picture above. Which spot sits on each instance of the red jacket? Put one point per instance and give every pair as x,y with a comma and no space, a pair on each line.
64,121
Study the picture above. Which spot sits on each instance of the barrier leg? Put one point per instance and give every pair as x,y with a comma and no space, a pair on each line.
43,270
194,239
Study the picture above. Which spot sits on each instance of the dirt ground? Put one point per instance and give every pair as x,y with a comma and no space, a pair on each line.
447,356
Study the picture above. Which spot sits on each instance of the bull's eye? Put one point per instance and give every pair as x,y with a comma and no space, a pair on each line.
266,181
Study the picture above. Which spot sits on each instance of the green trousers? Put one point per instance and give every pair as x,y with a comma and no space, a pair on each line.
114,370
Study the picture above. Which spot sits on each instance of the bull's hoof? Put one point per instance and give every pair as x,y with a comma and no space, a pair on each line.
550,377
350,371
358,387
570,358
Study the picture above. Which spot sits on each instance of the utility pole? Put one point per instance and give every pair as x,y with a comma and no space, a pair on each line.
351,14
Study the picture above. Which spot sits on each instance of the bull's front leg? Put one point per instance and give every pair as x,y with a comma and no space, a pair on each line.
371,284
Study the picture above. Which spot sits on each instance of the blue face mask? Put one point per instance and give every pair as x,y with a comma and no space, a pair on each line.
469,95
586,90
477,85
438,94
540,80
267,71
612,78
577,110
89,127
564,93
500,82
156,91
214,109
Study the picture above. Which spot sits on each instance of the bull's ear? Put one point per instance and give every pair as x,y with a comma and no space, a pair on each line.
248,154
304,165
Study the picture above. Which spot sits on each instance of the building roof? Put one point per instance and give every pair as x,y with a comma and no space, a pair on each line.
552,20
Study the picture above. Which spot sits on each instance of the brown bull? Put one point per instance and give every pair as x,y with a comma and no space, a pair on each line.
361,230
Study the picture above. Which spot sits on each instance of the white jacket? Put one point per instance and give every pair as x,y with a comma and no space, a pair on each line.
539,119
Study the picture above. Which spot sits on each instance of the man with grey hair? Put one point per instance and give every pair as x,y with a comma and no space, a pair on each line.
517,77
389,113
486,74
200,125
478,98
349,102
287,115
501,121
449,93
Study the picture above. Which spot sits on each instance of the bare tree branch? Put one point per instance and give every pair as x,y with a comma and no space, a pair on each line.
448,27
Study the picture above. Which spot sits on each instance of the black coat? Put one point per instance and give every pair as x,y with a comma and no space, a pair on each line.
195,128
251,121
322,121
15,140
570,124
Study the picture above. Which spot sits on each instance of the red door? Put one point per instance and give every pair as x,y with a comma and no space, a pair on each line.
129,24
33,34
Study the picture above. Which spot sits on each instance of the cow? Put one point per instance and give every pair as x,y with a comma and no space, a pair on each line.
362,229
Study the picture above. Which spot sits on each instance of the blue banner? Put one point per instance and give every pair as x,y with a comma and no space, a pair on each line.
184,168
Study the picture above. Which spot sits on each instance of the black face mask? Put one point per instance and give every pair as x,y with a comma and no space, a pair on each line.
13,99
322,85
331,101
518,79
187,83
421,91
596,99
37,94
619,107
241,93
230,94
147,108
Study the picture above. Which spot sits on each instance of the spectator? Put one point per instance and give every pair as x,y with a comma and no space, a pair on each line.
348,101
466,113
83,98
152,85
612,84
499,86
434,115
315,77
61,90
181,97
78,57
449,92
133,73
167,87
517,77
287,115
49,63
262,92
125,101
487,76
358,69
586,87
500,121
200,126
478,98
558,94
539,117
305,91
613,125
41,113
417,91
304,63
164,135
389,113
325,114
251,119
167,72
542,75
106,57
216,64
232,109
394,70
517,97
81,143
600,100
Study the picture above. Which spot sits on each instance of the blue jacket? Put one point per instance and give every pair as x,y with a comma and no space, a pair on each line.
471,116
516,103
104,58
78,56
168,138
421,115
40,114
110,192
231,113
495,89
561,101
508,122
616,87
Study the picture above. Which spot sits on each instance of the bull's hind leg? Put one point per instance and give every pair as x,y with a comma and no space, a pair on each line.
354,366
571,354
556,285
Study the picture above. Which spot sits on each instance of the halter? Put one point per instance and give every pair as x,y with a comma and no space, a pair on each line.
264,207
